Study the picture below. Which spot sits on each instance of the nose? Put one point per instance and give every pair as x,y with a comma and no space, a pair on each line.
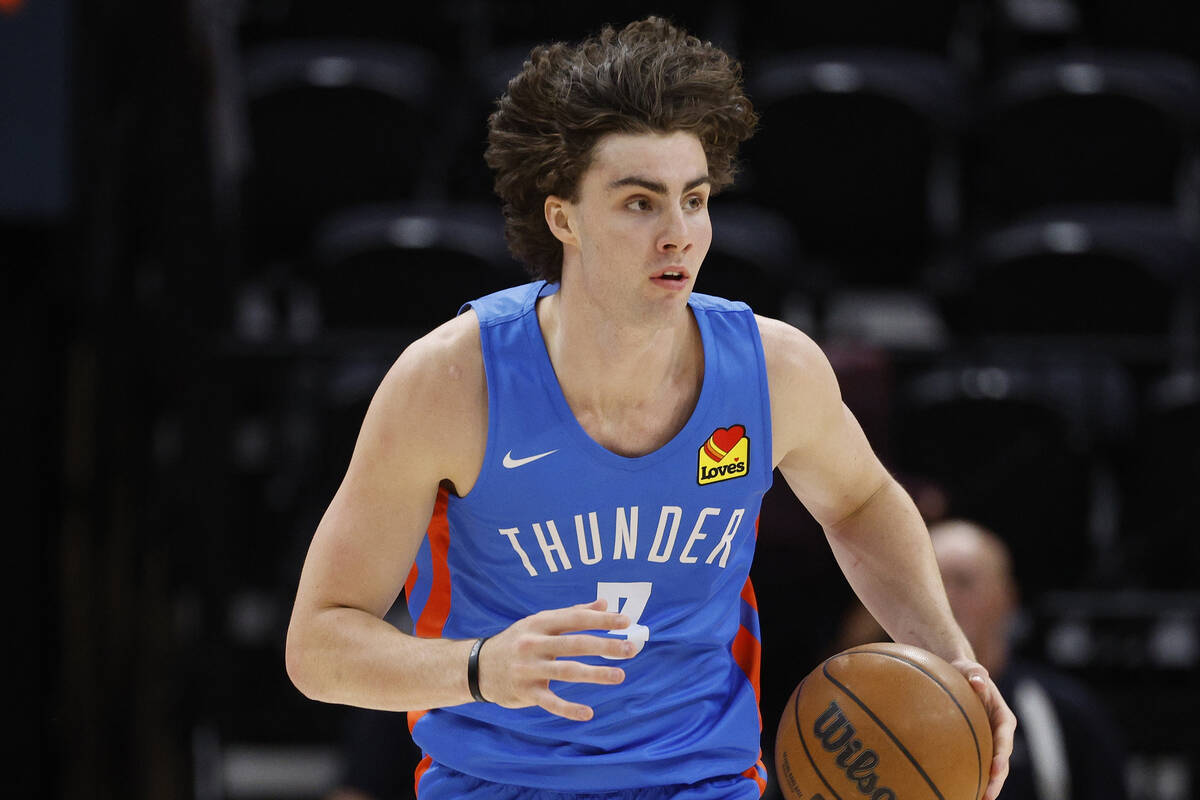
676,235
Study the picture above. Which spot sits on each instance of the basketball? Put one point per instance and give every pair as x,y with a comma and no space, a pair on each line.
884,721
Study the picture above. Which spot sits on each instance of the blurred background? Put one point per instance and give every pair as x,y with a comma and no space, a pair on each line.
221,220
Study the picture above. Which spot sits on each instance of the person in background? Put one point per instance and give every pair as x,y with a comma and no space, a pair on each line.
1066,745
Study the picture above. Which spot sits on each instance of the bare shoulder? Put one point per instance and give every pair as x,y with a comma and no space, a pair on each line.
433,400
797,369
789,350
804,389
442,363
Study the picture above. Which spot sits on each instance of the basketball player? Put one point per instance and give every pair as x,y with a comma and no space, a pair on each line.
592,449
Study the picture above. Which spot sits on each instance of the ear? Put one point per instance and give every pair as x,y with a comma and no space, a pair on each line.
559,217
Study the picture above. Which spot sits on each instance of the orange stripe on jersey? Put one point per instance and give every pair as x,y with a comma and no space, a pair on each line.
747,652
433,616
757,776
413,574
748,594
425,764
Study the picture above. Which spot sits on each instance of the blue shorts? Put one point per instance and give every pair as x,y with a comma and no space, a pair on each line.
439,782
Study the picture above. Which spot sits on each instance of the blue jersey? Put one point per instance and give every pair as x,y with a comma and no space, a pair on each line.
554,519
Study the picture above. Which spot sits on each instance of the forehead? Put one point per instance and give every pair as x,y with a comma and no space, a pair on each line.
670,158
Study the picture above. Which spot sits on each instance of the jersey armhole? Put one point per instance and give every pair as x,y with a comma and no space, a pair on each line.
485,347
764,389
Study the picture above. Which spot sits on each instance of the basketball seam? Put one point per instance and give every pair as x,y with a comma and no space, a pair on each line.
953,699
966,719
883,728
800,734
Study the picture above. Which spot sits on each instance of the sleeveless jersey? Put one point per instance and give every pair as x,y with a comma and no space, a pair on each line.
554,519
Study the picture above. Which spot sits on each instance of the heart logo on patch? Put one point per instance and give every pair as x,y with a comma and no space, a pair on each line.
726,438
723,440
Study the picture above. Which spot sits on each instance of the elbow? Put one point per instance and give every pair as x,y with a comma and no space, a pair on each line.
860,508
297,662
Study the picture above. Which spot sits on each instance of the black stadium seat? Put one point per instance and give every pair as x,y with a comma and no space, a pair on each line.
856,149
1123,278
1083,127
447,29
484,78
408,269
1161,479
1167,25
780,25
331,125
515,22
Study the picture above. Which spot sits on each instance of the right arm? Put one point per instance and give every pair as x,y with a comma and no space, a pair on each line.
426,424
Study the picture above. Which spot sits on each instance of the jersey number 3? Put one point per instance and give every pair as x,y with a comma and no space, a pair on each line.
635,596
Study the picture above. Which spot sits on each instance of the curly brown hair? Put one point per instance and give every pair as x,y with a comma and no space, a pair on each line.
650,77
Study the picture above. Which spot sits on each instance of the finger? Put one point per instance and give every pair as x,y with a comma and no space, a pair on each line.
575,672
997,781
565,620
1003,727
998,775
561,708
582,645
1003,723
1000,716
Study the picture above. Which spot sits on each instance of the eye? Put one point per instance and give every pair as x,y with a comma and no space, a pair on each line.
638,204
694,202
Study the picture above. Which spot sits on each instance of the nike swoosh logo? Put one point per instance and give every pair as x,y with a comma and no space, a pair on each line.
512,463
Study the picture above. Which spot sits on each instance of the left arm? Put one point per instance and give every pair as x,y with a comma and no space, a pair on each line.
874,529
883,548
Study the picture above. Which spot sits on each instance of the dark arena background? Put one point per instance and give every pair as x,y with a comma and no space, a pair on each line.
221,220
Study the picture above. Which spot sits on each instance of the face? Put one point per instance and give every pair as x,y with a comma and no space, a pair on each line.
635,236
975,572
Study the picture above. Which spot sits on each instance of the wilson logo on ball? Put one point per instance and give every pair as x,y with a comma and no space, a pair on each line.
726,455
836,733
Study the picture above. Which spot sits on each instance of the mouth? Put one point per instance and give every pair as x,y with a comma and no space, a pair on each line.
671,274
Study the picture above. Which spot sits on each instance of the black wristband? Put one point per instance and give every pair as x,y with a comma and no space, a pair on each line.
473,670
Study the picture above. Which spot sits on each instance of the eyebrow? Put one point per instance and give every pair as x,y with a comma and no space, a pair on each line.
656,186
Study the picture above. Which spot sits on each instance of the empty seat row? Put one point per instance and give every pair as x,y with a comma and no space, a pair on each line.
975,31
1123,280
897,143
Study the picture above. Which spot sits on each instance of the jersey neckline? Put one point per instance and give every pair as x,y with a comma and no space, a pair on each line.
690,437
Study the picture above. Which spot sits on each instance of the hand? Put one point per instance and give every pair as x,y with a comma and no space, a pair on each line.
1004,722
517,664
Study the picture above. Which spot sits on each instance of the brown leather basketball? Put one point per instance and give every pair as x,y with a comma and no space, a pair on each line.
887,722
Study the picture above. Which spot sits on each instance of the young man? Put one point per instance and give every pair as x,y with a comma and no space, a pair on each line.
592,449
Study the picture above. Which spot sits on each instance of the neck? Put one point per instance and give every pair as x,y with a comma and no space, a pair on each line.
605,364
